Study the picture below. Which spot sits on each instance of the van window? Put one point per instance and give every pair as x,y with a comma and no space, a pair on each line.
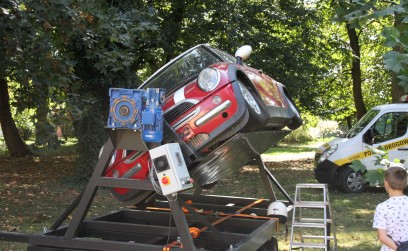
362,123
390,126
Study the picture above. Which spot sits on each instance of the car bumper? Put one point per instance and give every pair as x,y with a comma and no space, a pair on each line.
325,172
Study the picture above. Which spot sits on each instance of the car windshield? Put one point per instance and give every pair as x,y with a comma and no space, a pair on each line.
362,123
182,69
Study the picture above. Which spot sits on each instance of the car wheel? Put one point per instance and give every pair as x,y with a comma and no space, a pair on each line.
350,181
257,116
271,245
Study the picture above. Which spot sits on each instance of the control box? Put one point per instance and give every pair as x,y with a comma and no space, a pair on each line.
170,168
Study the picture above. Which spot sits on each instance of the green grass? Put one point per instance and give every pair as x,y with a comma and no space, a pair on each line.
352,213
293,149
34,192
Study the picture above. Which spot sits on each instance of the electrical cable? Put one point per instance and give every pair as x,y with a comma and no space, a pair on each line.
152,171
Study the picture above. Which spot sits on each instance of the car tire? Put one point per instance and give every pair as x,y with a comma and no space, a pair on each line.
257,117
351,182
271,245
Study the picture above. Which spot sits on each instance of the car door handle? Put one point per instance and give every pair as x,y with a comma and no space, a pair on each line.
403,149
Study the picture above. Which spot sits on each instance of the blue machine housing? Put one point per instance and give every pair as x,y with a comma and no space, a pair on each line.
152,115
138,109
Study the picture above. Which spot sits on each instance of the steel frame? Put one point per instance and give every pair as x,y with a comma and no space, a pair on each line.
150,225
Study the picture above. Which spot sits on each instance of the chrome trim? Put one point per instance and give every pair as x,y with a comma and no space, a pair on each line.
186,118
133,158
188,100
214,112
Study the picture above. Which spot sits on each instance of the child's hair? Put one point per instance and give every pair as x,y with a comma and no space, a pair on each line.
396,177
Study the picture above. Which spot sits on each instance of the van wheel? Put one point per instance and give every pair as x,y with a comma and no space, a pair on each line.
350,181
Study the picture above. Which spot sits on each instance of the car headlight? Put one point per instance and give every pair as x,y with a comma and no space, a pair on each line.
328,152
209,79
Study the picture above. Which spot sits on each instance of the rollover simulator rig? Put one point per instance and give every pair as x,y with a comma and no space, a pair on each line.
165,213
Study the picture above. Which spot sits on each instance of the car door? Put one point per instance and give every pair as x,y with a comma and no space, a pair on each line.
390,132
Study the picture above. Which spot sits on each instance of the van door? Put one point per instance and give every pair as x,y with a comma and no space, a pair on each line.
390,132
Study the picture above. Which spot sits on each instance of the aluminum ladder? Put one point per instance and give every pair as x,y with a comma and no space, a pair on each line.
312,216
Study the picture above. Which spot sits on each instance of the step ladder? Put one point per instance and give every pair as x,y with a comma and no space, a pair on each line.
312,223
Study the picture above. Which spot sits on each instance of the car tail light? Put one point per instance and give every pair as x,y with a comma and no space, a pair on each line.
198,140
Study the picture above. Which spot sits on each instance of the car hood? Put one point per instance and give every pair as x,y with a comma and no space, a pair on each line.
191,92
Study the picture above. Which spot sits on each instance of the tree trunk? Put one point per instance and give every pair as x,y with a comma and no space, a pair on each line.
44,132
356,72
172,28
91,136
14,143
349,123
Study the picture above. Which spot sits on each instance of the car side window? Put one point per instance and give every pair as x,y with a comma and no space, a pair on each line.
390,126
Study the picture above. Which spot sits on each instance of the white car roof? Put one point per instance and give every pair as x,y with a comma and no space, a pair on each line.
392,107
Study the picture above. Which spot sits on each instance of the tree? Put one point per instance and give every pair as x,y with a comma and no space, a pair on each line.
392,16
108,41
14,143
356,71
9,49
75,50
286,41
354,43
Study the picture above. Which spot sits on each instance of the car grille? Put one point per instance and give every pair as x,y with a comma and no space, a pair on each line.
177,111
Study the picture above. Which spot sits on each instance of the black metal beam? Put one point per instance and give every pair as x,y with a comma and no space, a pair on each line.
143,229
14,237
90,191
59,243
258,237
124,183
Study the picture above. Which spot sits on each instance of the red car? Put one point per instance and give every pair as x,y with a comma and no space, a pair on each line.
212,100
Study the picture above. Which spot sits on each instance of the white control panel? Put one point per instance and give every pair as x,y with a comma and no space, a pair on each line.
171,169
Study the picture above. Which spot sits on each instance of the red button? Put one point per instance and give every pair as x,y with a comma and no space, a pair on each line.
165,180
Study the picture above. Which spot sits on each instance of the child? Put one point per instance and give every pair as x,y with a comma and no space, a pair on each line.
391,216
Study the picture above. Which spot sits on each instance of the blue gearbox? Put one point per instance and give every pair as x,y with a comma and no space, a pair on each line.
138,109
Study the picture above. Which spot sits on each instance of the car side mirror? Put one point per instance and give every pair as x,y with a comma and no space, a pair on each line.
368,136
243,53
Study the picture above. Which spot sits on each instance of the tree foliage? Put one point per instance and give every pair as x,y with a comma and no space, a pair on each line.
63,56
391,17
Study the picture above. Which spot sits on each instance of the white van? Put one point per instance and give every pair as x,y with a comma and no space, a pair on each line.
384,125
